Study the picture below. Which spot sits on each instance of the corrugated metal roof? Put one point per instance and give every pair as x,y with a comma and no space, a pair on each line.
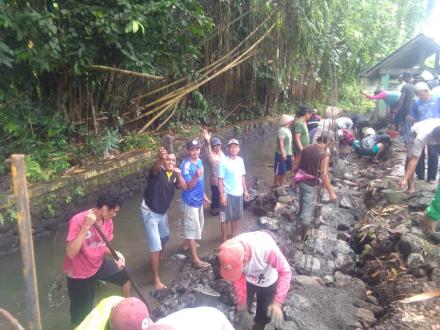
405,57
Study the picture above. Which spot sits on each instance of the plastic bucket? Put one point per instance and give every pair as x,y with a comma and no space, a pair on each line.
393,196
206,297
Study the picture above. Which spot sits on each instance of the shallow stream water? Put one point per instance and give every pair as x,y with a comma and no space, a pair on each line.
129,238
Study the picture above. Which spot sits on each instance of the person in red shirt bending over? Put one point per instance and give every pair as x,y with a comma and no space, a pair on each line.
256,266
84,263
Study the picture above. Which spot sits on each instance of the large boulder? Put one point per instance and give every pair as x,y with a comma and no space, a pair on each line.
335,217
317,307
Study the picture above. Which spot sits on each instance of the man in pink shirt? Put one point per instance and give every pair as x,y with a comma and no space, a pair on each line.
255,265
84,263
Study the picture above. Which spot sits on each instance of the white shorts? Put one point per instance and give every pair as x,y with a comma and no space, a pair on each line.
193,220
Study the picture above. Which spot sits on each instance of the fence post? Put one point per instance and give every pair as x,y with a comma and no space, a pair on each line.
26,242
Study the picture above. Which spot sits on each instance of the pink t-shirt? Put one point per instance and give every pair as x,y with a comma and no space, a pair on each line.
91,255
266,266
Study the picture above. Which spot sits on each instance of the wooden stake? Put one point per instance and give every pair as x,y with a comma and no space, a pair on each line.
19,181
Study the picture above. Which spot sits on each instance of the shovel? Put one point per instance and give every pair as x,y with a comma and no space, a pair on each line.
115,255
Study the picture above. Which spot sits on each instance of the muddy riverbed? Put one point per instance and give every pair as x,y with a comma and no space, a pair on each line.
257,151
361,258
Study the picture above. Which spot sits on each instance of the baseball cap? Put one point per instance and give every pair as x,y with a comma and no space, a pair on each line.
215,141
233,141
130,314
192,144
231,256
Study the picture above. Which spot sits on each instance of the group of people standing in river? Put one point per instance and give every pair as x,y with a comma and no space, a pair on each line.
251,261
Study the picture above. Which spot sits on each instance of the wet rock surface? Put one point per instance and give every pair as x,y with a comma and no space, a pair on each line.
360,258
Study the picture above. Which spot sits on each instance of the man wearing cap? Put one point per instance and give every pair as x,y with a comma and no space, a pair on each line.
283,150
117,313
162,181
214,154
256,266
422,133
193,199
232,188
426,107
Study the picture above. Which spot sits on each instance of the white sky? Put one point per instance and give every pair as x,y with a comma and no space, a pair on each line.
432,27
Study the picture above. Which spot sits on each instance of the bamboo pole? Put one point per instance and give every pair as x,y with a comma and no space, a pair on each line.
190,89
168,118
26,241
123,72
178,94
207,69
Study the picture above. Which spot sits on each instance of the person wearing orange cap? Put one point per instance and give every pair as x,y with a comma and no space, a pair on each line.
117,313
256,266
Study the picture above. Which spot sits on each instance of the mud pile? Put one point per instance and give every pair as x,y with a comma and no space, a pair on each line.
361,257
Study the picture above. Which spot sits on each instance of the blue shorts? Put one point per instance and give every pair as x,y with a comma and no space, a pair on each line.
282,166
156,228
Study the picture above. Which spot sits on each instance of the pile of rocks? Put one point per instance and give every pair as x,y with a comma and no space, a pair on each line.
353,267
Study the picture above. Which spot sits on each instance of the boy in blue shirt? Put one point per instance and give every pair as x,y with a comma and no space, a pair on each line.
232,188
193,198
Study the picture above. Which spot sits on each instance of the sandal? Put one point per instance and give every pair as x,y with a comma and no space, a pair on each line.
202,265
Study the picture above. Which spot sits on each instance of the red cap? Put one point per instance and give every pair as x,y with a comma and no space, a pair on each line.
130,314
231,255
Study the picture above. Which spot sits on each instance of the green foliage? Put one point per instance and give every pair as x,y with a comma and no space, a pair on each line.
352,101
8,216
78,191
104,144
138,141
48,95
33,170
198,111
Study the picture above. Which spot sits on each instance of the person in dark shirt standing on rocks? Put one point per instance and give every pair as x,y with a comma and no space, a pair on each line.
163,179
404,107
311,172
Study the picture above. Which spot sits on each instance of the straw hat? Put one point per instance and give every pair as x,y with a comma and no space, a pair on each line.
369,131
285,119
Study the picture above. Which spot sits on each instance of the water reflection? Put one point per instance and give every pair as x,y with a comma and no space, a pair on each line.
257,153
